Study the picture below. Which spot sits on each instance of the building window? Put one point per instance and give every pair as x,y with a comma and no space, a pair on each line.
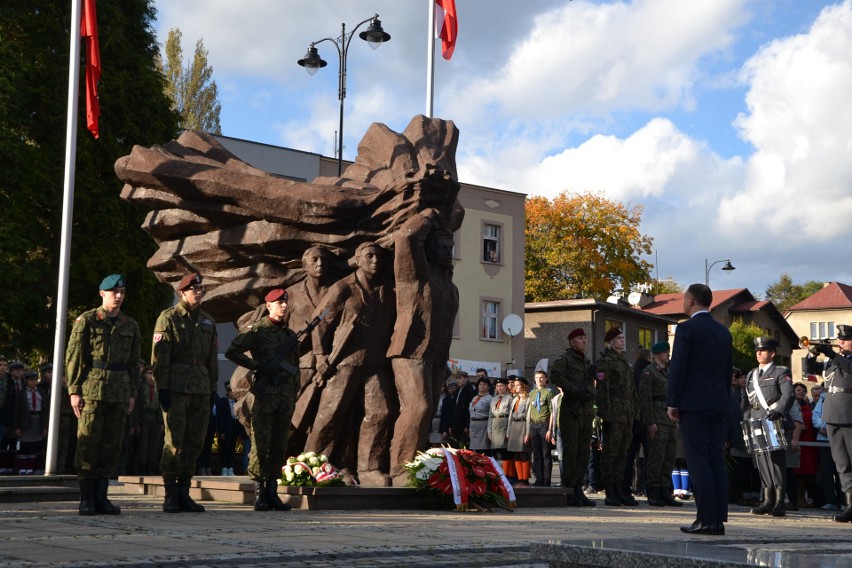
492,246
646,337
822,330
490,319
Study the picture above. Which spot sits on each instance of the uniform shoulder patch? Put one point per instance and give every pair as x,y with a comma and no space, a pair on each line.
600,375
158,337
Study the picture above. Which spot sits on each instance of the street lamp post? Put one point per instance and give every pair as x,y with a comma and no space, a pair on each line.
727,268
373,35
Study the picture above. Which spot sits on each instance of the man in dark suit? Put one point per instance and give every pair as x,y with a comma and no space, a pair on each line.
698,399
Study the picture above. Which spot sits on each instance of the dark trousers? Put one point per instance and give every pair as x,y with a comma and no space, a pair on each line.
828,477
840,438
640,439
542,460
593,470
704,435
772,466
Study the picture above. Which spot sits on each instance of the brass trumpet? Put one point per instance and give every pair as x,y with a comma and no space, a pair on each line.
809,344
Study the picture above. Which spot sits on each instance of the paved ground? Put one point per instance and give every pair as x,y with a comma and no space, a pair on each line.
52,534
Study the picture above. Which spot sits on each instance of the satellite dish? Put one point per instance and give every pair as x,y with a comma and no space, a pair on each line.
512,325
542,364
612,299
634,298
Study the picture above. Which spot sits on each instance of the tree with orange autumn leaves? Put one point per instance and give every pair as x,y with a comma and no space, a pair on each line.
582,246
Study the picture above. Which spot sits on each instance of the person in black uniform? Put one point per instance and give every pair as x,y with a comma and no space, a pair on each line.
769,394
837,411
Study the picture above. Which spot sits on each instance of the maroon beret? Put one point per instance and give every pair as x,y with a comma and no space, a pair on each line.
276,294
612,334
576,332
191,279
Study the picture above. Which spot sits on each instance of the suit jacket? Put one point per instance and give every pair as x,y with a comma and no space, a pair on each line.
701,366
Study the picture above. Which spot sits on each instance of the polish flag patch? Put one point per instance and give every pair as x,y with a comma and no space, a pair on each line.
157,337
600,376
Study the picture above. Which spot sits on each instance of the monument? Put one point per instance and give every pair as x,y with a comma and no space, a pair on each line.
248,231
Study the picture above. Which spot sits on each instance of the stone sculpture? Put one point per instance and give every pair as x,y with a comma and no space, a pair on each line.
246,231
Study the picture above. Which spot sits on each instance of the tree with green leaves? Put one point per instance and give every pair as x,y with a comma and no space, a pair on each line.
743,340
191,87
785,294
582,245
106,237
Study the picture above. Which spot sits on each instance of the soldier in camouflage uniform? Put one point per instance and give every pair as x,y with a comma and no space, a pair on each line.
617,407
102,376
186,372
572,374
662,432
272,407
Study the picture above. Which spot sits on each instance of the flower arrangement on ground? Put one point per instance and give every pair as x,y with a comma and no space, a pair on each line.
465,475
311,469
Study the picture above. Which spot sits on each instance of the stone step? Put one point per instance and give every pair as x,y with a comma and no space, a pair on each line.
240,489
33,493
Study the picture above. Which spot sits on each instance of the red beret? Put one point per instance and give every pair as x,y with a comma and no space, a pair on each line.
612,334
577,332
191,279
276,294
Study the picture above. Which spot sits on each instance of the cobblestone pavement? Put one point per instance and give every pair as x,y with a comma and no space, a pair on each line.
53,534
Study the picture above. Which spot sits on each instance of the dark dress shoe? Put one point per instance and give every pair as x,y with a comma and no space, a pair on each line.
717,529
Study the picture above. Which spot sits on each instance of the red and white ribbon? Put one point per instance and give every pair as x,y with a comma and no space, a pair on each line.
456,478
508,491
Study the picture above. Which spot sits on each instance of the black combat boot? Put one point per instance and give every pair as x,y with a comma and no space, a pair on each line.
170,504
767,504
87,497
103,506
780,508
667,498
575,500
185,502
844,517
654,499
584,501
275,501
611,496
261,496
625,497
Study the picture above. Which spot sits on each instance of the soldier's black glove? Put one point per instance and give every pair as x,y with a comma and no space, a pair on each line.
774,415
165,398
826,350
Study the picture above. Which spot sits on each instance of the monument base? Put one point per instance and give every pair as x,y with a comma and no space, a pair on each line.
240,489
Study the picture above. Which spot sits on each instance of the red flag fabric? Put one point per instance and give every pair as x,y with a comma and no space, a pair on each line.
89,31
449,28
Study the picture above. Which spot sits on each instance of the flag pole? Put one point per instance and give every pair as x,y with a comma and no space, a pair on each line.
430,60
65,245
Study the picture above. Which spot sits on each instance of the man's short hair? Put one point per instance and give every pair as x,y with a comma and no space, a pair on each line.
542,371
480,370
702,294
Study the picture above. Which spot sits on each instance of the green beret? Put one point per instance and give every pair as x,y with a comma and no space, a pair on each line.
661,347
112,281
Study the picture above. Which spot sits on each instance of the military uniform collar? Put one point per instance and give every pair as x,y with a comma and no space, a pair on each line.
102,316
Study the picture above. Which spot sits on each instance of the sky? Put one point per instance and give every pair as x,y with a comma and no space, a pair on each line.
728,121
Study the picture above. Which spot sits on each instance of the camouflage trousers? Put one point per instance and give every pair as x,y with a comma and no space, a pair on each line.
576,432
185,430
100,433
616,442
270,427
662,452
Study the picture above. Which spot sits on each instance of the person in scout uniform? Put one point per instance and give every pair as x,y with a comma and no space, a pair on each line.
479,410
837,411
538,429
498,425
274,392
769,395
617,406
186,372
662,432
103,377
572,373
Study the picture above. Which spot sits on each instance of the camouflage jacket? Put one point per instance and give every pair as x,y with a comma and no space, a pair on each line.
653,386
617,401
102,358
572,373
185,351
262,339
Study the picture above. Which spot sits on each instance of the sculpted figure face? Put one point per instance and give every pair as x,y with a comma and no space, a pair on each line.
315,262
440,250
370,260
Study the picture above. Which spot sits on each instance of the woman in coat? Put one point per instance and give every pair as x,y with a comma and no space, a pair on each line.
518,431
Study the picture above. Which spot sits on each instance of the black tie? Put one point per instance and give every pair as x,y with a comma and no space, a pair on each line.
759,373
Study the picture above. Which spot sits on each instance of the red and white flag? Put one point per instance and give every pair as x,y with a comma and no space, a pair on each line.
448,26
89,31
